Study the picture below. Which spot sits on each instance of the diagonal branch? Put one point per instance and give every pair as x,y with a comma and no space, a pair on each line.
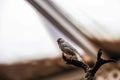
76,63
90,72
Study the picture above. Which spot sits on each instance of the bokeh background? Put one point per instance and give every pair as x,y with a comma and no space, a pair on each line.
29,30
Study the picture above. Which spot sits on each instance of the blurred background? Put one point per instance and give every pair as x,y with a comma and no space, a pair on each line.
29,30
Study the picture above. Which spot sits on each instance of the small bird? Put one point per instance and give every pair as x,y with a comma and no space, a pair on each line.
68,49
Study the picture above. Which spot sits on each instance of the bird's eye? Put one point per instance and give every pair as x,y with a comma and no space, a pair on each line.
59,39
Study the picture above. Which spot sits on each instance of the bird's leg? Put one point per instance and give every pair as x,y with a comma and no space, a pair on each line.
67,56
70,57
73,57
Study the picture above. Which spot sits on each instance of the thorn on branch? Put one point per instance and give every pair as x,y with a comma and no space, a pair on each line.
99,54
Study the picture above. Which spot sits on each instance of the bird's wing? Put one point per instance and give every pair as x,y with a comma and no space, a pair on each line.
68,50
73,49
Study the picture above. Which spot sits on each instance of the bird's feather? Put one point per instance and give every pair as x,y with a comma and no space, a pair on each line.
68,49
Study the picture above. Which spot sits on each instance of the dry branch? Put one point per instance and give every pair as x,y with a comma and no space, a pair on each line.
90,72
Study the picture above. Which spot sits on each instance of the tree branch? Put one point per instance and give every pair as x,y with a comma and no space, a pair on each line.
90,72
99,62
76,63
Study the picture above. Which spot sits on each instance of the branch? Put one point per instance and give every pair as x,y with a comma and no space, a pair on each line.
99,62
99,54
76,63
90,72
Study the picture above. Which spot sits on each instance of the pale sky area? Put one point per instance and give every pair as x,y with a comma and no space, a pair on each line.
23,34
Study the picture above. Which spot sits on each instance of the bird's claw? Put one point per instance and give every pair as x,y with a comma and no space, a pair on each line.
69,57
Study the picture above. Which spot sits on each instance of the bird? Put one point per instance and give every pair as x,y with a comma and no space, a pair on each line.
68,49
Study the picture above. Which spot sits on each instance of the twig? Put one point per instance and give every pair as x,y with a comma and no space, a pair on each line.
90,72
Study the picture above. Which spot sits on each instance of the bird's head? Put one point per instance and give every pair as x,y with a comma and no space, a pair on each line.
60,40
